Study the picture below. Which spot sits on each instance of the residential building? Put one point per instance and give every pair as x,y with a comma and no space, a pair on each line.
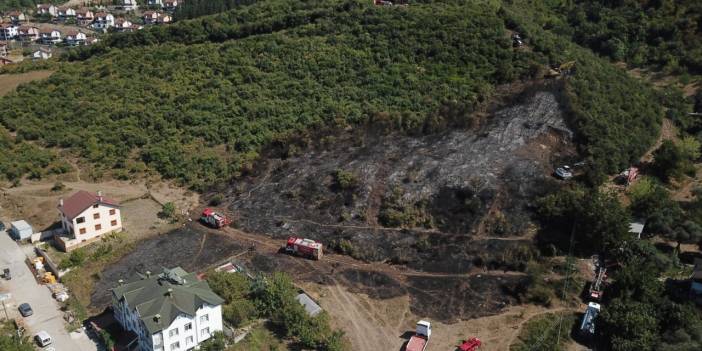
8,31
47,9
155,17
84,17
3,49
91,41
158,3
28,33
74,37
17,17
173,310
42,54
103,21
129,5
170,5
123,25
64,13
49,36
85,217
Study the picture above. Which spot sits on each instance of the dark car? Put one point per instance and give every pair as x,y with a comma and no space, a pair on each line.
25,310
2,226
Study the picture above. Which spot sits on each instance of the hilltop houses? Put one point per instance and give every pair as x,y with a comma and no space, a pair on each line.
84,17
65,13
170,5
172,310
103,21
129,5
49,36
74,38
8,31
47,9
42,54
3,49
17,16
155,17
152,3
28,33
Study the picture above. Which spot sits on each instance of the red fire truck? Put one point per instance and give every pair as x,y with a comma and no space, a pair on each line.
304,247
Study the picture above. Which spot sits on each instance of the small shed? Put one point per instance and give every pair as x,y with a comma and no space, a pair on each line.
21,230
311,307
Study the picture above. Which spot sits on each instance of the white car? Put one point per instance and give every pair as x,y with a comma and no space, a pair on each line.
43,338
564,172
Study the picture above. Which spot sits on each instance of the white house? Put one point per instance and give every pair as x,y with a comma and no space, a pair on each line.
74,37
8,31
129,5
64,13
123,25
47,9
103,21
154,17
85,217
49,36
173,310
42,54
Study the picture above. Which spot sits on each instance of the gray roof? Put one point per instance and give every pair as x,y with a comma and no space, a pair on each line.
21,225
311,307
166,295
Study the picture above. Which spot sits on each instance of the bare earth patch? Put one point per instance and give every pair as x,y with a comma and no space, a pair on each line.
8,82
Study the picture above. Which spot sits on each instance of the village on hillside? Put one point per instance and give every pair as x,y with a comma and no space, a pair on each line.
42,32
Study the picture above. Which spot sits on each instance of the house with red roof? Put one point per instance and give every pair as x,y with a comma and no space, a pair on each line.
17,16
85,217
3,49
47,9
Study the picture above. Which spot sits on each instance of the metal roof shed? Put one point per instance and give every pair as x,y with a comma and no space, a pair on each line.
21,230
311,307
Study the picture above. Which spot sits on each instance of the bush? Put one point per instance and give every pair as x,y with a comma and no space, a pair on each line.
344,180
216,200
75,259
58,186
168,211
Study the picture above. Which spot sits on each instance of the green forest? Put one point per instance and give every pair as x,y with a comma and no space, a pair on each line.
196,101
19,4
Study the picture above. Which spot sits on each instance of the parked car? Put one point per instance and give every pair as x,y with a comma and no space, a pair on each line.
43,339
25,310
564,172
2,227
6,274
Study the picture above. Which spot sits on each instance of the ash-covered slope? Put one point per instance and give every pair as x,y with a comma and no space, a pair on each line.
444,202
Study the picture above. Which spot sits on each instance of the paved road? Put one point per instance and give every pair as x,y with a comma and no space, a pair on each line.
24,288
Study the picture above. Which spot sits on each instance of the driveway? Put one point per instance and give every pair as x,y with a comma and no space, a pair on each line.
24,288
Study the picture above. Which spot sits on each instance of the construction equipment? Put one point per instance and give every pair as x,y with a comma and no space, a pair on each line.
304,247
213,219
420,339
587,326
596,288
471,344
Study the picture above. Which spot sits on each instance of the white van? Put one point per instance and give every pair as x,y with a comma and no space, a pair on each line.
43,338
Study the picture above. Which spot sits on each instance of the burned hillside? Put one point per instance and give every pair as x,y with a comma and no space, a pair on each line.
444,202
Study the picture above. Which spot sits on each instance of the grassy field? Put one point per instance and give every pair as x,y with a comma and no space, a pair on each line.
8,82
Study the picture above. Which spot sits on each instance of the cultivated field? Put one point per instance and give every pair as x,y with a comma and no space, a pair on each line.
8,82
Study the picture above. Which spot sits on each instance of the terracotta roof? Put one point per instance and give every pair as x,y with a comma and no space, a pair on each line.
72,33
14,13
101,14
80,201
44,6
48,30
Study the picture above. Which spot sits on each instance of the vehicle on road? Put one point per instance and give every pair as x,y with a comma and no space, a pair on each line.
304,247
6,274
587,326
420,339
564,172
471,344
25,310
43,339
213,219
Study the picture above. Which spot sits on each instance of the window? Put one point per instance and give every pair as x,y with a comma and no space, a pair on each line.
80,220
204,318
113,223
175,345
205,332
112,212
82,231
189,340
173,332
98,227
96,216
188,326
95,206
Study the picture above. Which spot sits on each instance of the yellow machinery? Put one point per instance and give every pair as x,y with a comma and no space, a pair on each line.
48,278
